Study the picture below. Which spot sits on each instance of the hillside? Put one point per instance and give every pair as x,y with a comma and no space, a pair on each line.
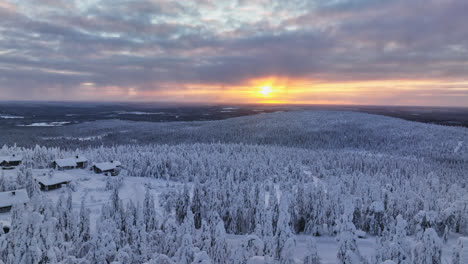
307,129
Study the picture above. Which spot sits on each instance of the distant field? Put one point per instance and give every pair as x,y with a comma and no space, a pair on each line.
60,114
37,114
434,115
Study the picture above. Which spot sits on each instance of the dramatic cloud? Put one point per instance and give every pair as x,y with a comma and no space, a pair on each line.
309,51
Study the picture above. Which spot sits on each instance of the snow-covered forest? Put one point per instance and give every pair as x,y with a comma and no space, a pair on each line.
270,188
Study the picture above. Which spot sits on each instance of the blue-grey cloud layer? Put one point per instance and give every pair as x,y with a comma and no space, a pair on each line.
58,44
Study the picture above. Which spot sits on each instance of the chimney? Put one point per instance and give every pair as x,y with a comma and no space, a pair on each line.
14,155
112,161
77,156
13,192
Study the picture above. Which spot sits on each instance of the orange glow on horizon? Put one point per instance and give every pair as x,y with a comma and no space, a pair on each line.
280,90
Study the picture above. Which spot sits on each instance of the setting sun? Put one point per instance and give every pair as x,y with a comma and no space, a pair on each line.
265,90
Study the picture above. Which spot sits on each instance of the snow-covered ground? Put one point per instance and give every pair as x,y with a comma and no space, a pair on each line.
11,117
47,124
91,188
139,113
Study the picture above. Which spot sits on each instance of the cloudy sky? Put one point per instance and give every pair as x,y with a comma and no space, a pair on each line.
392,52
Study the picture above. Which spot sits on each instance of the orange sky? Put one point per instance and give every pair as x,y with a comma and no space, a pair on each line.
293,91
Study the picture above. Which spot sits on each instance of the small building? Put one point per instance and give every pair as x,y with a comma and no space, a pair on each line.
9,162
10,198
5,226
81,162
108,168
54,181
70,163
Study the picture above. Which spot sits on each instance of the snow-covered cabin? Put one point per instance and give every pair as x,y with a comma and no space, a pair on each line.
110,167
10,198
6,226
361,234
9,162
54,181
70,163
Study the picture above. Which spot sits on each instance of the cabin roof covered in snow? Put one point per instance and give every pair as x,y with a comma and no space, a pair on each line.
54,179
107,166
81,159
70,162
11,158
65,162
5,223
13,197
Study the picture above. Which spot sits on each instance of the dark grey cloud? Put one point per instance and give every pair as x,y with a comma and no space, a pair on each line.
147,44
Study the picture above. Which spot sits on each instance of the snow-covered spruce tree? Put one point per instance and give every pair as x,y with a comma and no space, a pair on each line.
187,227
429,249
21,177
139,241
460,251
160,259
315,206
168,199
400,251
254,246
13,247
257,194
203,241
104,249
251,246
397,247
66,217
196,206
170,243
260,215
274,206
3,182
239,255
312,255
446,234
348,251
83,232
201,258
299,211
149,212
221,252
424,220
32,238
264,225
183,202
32,187
186,253
109,238
124,255
287,253
283,229
268,237
376,218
